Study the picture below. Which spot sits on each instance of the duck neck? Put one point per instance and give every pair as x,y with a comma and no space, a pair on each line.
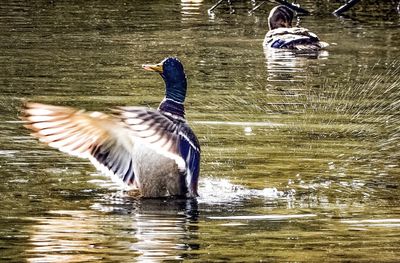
170,106
175,88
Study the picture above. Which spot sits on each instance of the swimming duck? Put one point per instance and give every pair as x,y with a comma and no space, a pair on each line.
281,34
153,151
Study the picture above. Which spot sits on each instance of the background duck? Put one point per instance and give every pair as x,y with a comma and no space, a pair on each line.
154,151
281,34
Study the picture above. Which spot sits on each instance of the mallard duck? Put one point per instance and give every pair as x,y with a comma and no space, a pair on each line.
281,34
153,151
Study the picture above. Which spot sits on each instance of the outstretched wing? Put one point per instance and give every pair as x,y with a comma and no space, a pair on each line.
92,135
168,136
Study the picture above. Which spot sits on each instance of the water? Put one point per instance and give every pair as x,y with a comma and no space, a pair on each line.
300,154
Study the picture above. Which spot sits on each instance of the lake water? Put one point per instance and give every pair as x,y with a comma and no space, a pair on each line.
300,154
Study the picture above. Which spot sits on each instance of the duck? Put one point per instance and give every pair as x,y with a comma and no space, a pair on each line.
151,151
282,35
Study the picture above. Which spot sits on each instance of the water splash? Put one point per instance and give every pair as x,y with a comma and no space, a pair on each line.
212,191
342,135
222,191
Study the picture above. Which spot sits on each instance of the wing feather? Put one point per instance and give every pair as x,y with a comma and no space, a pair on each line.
92,135
168,136
107,141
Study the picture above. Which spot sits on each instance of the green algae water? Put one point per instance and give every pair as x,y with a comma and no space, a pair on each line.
300,153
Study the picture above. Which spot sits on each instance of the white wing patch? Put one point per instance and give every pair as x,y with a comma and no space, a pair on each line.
156,130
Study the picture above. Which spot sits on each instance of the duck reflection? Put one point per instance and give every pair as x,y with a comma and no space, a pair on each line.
148,231
288,65
191,7
65,236
163,228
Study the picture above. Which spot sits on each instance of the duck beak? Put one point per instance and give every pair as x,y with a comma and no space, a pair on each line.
156,68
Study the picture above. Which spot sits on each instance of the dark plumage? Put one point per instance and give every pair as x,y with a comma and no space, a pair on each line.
281,34
154,151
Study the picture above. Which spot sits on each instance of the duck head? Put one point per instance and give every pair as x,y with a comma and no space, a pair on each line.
171,70
280,16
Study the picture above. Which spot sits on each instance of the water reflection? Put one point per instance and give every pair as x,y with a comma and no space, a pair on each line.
289,66
147,230
386,222
191,7
163,228
65,236
332,139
